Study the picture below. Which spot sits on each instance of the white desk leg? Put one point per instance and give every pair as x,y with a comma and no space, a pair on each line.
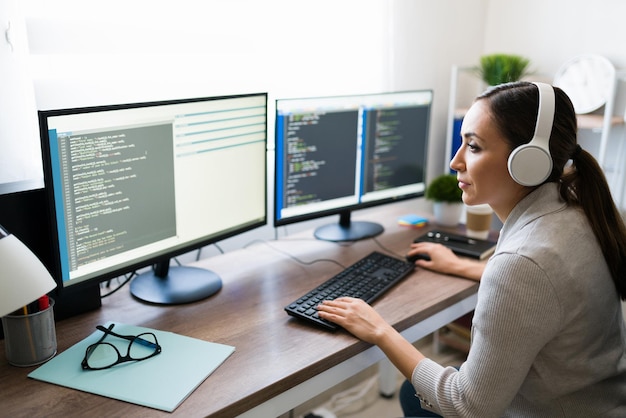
436,342
387,378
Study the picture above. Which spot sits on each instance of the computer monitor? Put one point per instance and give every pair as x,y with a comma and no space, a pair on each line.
338,154
135,185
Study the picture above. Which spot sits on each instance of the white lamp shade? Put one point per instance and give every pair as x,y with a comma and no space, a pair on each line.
23,278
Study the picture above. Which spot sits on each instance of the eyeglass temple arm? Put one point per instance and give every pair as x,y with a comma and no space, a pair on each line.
139,340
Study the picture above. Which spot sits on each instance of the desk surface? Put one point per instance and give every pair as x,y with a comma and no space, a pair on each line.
258,282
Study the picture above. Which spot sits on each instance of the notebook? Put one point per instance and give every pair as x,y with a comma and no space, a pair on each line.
460,244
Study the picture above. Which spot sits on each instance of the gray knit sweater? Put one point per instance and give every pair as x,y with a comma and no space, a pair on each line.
548,337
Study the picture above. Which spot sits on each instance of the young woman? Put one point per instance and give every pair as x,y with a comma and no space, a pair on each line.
548,336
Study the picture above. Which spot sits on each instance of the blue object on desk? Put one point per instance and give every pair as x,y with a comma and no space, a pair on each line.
162,382
412,220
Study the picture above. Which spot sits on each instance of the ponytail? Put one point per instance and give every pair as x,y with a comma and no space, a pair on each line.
583,184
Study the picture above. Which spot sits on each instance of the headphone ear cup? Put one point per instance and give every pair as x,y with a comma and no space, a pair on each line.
530,165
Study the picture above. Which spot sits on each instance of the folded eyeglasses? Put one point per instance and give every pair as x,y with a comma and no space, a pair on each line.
103,355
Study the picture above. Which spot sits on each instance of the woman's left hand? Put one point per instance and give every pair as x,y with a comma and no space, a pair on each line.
355,316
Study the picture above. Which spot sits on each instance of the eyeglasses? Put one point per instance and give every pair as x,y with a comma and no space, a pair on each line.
103,355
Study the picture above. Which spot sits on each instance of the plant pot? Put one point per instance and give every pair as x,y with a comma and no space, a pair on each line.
447,214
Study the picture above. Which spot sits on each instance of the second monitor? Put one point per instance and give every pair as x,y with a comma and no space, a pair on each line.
343,153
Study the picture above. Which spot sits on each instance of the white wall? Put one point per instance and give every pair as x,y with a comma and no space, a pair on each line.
84,54
551,32
87,53
20,156
149,50
429,37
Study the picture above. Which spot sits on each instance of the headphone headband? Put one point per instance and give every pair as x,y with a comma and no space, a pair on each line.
545,114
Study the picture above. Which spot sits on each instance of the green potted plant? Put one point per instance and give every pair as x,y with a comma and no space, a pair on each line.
496,69
446,195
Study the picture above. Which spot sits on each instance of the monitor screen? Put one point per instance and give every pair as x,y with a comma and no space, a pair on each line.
338,154
134,185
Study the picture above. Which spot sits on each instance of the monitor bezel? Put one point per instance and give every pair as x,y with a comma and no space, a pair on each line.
152,259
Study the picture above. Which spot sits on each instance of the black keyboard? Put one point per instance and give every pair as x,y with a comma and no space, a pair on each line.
366,279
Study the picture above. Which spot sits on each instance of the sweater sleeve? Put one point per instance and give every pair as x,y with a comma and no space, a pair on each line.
516,315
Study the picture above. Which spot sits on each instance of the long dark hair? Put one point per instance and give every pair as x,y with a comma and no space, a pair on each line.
582,181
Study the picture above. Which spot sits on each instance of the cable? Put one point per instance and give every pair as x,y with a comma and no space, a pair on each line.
387,249
294,258
351,396
215,245
128,279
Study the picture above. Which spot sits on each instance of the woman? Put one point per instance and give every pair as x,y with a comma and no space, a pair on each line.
548,337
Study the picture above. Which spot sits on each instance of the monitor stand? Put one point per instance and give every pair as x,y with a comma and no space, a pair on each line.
347,230
175,285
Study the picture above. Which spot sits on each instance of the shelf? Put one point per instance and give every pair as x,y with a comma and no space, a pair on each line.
595,122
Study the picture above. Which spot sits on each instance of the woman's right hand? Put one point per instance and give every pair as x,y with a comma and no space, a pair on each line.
443,260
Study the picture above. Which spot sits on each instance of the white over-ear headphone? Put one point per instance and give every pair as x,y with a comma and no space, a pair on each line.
531,164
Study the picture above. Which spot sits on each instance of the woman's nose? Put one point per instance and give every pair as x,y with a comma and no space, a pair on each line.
456,163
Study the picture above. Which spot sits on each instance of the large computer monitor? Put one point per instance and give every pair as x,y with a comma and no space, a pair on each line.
135,185
338,154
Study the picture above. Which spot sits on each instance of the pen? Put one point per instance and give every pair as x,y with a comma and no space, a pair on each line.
145,342
460,239
44,303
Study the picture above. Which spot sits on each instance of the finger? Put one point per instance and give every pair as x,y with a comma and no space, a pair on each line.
330,313
331,317
325,305
344,299
421,246
330,306
330,302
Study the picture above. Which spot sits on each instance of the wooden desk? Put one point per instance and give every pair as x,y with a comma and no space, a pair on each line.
279,361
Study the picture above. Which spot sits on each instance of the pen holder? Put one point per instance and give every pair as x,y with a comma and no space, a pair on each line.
30,339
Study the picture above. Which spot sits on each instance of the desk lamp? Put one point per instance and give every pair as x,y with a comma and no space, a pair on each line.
23,278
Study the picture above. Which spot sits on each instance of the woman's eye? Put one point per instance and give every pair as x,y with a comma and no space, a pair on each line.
473,148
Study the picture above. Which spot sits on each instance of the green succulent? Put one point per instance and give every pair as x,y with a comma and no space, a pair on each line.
496,69
444,188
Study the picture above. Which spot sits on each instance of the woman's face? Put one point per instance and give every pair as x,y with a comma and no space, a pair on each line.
481,163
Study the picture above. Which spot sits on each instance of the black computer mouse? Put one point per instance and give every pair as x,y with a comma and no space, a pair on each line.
418,256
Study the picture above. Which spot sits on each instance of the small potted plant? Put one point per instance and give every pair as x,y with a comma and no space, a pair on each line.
496,69
447,199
